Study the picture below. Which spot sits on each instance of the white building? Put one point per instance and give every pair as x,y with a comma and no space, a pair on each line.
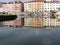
51,6
46,21
28,21
58,23
46,14
27,6
51,22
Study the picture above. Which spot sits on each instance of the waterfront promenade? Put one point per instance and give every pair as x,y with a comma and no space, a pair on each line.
29,36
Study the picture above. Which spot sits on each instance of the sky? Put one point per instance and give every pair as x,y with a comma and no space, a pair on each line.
20,0
12,0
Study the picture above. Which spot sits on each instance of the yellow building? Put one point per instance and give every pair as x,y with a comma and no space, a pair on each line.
58,17
37,6
58,13
37,22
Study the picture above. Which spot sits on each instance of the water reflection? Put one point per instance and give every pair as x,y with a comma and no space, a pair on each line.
29,36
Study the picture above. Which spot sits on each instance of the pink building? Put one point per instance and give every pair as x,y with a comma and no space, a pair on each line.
14,7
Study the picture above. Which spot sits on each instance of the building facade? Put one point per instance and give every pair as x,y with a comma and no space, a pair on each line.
28,21
27,6
37,22
58,18
46,21
37,6
48,0
13,7
53,22
41,5
34,5
58,23
51,6
46,14
19,22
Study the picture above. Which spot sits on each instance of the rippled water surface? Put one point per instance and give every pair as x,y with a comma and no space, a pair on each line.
29,36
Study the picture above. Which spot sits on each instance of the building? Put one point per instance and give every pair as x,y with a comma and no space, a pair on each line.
1,4
46,21
19,22
14,7
42,5
51,6
1,9
36,5
53,22
28,21
58,23
48,0
37,22
58,18
46,14
27,6
50,22
8,23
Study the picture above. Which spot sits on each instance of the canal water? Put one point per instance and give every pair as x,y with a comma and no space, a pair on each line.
29,36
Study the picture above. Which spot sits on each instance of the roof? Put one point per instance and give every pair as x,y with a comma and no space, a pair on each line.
51,1
35,1
11,2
